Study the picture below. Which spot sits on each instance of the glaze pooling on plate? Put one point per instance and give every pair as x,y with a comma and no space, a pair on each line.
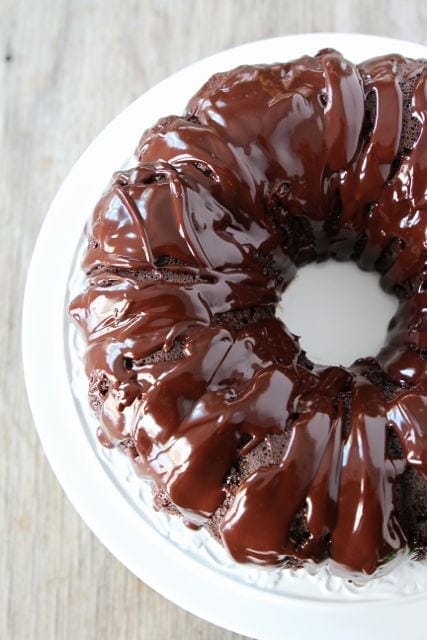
189,368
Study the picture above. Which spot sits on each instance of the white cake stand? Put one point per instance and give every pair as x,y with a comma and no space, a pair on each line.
190,569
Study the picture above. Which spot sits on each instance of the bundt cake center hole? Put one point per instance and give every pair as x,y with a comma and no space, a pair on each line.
340,312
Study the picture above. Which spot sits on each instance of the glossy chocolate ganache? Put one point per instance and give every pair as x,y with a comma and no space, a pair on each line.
191,372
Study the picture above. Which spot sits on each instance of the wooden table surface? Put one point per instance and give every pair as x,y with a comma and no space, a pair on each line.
66,68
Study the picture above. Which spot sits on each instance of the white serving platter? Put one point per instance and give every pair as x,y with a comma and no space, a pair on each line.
188,568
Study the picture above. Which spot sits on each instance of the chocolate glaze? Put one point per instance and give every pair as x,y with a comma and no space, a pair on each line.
269,168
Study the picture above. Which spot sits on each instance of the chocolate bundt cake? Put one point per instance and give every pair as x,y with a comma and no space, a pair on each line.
190,370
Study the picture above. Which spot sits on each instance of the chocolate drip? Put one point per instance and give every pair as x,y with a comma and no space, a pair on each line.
272,166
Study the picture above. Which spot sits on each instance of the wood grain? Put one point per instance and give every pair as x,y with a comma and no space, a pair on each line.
66,68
